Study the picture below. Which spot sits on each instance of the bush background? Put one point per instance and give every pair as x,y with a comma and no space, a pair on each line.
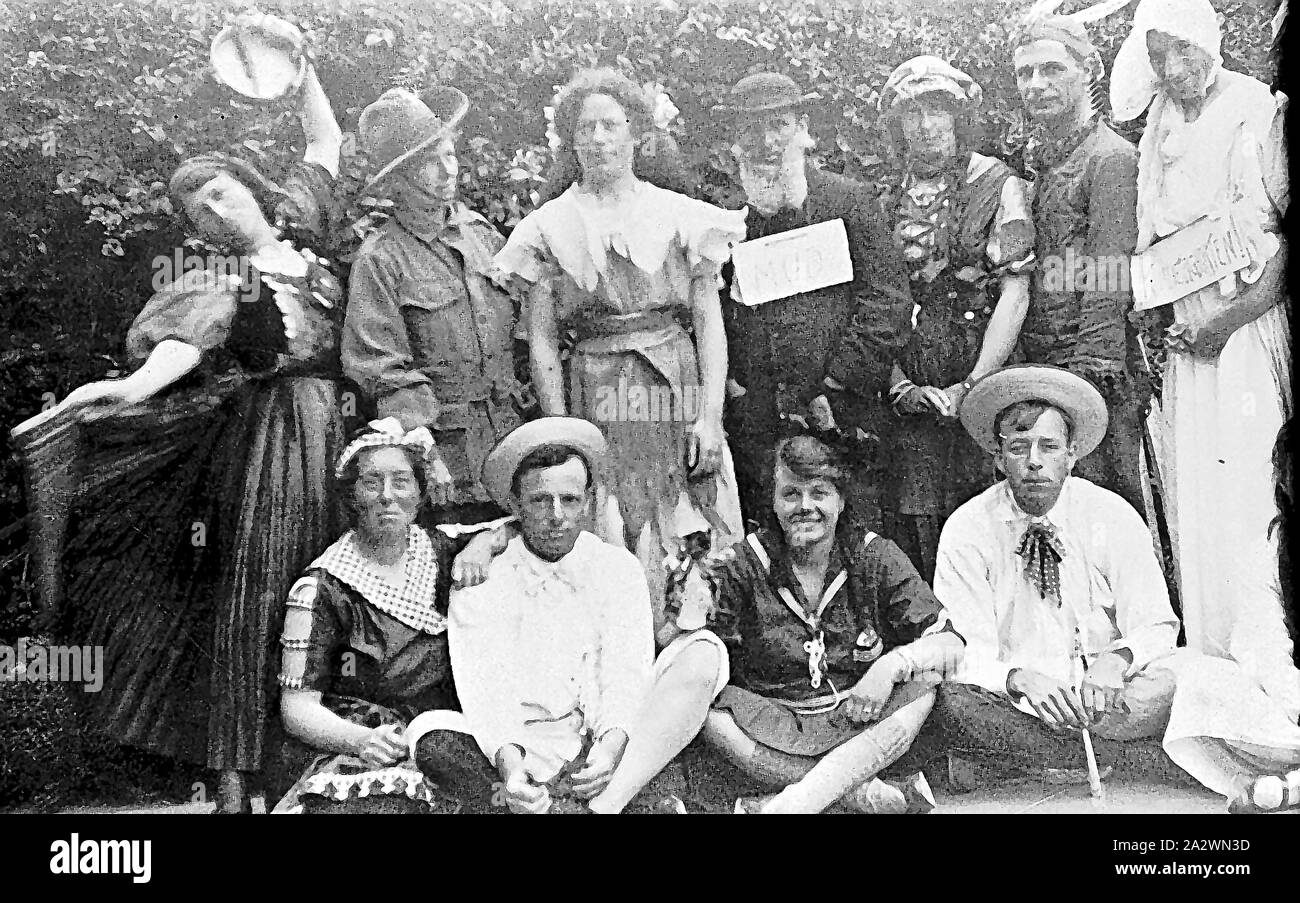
99,102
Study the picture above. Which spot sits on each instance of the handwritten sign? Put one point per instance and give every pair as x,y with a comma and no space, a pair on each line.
1195,256
801,260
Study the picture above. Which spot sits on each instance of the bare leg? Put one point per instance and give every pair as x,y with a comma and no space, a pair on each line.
678,704
859,758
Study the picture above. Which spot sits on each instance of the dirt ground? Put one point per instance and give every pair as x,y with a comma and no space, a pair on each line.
1123,796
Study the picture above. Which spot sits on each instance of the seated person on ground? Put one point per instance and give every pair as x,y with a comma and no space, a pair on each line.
1055,585
1235,720
553,654
365,644
831,633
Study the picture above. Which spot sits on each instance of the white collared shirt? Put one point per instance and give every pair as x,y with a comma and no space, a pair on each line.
543,651
1112,586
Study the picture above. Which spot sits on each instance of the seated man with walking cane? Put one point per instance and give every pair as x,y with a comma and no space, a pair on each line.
1055,585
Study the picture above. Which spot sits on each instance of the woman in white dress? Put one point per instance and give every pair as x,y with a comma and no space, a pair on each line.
1226,390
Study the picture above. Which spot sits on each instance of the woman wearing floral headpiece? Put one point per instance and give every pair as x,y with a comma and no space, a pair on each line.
204,490
962,223
628,265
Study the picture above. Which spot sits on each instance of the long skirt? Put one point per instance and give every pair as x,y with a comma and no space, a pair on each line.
193,516
1222,419
642,388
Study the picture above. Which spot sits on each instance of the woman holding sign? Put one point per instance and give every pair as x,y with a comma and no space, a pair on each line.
962,223
623,263
1226,385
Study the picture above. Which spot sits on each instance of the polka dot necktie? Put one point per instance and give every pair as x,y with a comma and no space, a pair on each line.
1042,553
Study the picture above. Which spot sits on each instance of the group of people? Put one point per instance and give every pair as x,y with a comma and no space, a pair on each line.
872,525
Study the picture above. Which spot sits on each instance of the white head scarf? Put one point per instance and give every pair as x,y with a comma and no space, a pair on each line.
1133,83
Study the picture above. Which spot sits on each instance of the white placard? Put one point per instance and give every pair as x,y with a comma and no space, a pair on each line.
1195,256
801,260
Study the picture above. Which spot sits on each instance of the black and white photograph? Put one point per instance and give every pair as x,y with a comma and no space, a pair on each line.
648,407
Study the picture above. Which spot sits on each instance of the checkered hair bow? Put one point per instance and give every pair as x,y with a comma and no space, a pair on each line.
386,432
1042,552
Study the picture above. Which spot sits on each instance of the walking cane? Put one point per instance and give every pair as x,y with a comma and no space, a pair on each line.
1158,507
1095,788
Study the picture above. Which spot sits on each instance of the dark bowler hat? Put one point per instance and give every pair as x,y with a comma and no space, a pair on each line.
765,91
399,125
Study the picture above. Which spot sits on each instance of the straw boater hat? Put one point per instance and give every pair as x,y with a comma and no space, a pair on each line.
505,457
764,92
1073,394
400,125
261,57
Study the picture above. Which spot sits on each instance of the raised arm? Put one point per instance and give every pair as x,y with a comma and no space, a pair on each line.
320,128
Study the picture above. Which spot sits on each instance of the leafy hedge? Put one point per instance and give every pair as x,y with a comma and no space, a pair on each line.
100,100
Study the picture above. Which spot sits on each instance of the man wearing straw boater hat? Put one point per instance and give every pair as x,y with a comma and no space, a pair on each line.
428,338
1054,583
553,655
792,356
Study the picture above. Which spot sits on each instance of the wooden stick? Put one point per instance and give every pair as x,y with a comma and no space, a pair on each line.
1095,788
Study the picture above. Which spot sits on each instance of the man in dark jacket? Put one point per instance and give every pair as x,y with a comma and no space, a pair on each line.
1085,217
817,357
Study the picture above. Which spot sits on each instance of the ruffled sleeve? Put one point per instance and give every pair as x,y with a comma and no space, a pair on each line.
526,255
707,234
198,309
305,210
1011,238
312,630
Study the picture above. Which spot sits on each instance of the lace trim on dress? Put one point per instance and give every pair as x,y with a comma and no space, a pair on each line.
294,639
579,235
398,780
412,603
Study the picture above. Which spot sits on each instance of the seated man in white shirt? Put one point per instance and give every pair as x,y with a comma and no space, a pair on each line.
1055,585
553,654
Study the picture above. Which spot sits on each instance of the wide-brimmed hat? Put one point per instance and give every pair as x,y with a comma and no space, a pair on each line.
505,457
764,92
928,75
1060,388
400,124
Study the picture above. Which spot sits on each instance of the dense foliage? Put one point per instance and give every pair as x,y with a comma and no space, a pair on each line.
100,100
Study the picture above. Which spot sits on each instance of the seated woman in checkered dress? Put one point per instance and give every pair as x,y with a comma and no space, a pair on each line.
365,642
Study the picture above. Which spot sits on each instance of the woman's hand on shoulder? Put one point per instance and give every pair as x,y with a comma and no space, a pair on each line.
441,488
470,567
